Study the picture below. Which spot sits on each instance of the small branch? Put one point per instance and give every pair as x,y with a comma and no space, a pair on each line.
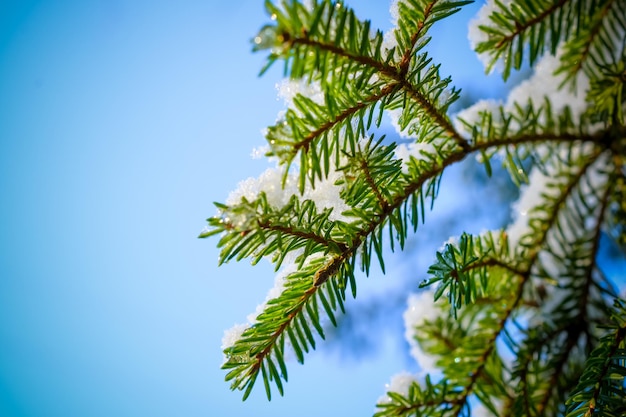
397,74
409,410
534,256
491,346
603,205
539,138
541,340
493,262
306,235
572,339
334,264
592,35
434,113
271,341
620,335
406,57
332,267
305,143
383,68
519,28
370,181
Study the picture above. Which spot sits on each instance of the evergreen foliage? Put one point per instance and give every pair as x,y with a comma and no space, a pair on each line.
525,322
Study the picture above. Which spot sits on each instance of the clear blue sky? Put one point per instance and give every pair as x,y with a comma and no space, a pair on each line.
120,123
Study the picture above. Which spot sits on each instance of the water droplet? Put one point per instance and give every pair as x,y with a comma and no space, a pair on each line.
457,360
258,40
273,16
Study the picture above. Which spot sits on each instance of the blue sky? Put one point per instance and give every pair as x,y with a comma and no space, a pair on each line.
120,123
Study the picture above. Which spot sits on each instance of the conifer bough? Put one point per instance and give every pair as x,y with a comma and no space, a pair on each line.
520,321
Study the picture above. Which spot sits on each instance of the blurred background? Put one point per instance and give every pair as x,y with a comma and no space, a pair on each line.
120,123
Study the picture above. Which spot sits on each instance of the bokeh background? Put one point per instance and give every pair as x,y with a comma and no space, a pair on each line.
120,123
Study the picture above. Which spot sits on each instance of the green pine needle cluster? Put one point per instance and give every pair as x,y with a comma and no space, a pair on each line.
534,291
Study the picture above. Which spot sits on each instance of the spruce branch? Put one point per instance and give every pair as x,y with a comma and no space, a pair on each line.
336,271
346,114
513,27
536,26
425,102
415,17
593,46
288,318
616,217
600,390
556,385
333,34
462,270
551,356
319,134
256,229
430,399
536,379
544,272
465,280
607,94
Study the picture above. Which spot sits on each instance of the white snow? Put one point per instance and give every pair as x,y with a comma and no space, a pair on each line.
233,334
416,150
533,195
288,89
479,410
389,37
530,197
475,35
270,183
544,83
394,118
260,151
473,113
421,308
400,383
326,196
